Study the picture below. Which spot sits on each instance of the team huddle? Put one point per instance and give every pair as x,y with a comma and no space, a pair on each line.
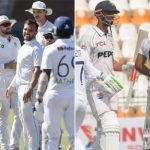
32,103
50,77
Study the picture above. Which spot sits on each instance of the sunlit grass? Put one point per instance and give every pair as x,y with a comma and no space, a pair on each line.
65,141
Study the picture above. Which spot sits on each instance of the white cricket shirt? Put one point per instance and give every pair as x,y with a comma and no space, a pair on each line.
84,71
99,47
29,56
145,48
41,30
59,57
8,51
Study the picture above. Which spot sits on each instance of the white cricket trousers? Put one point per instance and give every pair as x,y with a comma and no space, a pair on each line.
80,111
30,126
5,79
57,106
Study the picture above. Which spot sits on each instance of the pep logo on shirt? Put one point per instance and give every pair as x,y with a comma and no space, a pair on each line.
101,43
104,54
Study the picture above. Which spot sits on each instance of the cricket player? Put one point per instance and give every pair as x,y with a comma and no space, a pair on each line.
86,75
58,72
98,43
9,46
142,57
49,37
40,13
27,73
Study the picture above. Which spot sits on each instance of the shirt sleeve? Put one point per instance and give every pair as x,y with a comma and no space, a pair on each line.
46,60
144,50
18,45
90,71
37,56
85,43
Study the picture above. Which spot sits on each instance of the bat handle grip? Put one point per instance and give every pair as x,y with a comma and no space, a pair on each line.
132,79
133,75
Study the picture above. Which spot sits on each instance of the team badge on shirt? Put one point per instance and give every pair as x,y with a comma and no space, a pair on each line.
15,44
1,45
99,95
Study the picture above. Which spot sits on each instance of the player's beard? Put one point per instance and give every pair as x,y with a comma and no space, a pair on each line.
28,37
8,32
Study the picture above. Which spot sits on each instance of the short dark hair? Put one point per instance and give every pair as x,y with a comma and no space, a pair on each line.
31,22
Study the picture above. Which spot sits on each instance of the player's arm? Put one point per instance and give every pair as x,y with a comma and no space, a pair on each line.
116,65
142,57
28,94
10,88
10,65
140,65
42,84
123,67
109,84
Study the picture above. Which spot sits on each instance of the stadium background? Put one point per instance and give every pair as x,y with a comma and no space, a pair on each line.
134,14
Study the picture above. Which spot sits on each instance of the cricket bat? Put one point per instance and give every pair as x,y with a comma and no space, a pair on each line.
142,34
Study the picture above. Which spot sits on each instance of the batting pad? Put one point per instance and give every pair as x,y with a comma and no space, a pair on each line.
109,139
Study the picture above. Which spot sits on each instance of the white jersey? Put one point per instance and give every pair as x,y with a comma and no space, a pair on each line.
99,48
41,30
59,57
84,71
145,48
29,56
8,51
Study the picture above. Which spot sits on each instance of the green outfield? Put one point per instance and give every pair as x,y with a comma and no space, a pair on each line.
65,141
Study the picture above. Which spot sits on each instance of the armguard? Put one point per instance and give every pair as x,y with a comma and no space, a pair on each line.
42,85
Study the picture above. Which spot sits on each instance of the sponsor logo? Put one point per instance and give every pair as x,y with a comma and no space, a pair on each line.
104,54
66,26
99,95
88,131
131,134
61,48
101,43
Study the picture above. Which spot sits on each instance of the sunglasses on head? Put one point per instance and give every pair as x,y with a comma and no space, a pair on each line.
7,24
48,36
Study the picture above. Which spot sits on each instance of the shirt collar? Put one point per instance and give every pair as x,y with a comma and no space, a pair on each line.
99,31
44,25
29,42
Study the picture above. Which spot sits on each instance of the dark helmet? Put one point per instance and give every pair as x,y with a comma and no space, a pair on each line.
64,27
106,6
102,9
